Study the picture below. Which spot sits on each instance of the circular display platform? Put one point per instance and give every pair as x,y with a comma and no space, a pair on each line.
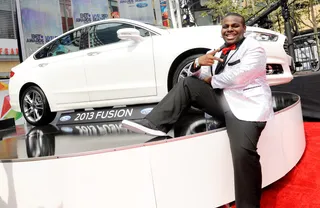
103,165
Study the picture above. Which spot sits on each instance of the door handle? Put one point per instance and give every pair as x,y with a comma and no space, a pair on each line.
43,65
93,53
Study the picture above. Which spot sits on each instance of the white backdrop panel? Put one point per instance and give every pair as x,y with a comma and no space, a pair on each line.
194,171
294,130
113,179
188,173
198,172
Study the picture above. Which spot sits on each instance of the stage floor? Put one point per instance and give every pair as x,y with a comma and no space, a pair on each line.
26,142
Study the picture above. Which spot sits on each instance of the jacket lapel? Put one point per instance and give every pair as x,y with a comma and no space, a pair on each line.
232,52
230,55
214,66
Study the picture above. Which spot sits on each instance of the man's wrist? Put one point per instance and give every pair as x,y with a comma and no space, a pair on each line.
196,65
208,79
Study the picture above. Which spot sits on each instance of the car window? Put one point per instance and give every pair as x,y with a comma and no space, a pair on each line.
66,44
143,32
43,53
104,34
84,43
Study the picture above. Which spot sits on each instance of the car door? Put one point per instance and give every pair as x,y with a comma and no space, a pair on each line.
60,66
118,69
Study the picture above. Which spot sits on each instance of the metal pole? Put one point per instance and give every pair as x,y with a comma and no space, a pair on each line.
287,27
13,18
173,18
17,31
178,7
20,35
64,4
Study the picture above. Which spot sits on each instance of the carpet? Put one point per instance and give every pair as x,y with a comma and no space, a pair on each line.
300,188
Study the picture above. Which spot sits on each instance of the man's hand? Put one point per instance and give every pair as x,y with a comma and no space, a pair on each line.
208,80
209,58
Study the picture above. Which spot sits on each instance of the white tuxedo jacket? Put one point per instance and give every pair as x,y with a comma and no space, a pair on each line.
243,81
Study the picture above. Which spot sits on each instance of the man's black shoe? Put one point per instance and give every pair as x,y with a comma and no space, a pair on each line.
143,126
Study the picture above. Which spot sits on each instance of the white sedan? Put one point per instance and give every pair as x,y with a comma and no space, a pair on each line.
121,62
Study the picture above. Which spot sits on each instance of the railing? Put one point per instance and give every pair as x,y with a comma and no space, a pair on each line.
306,53
4,75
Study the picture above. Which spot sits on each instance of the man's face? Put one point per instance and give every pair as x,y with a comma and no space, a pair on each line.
232,29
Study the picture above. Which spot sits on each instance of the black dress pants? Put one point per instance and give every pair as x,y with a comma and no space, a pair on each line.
243,135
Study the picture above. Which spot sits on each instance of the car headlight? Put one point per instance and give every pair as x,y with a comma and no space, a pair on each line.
262,36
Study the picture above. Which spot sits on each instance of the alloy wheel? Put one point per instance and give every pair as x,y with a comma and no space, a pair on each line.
185,72
33,106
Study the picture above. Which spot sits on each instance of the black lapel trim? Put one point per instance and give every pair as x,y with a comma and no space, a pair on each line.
238,46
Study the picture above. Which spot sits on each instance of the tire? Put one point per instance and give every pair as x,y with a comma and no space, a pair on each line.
179,71
44,115
184,64
40,141
194,123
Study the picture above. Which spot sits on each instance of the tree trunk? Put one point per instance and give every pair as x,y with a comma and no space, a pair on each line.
279,24
253,7
315,25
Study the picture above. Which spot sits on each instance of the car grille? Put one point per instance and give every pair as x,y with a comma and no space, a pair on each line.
272,69
286,46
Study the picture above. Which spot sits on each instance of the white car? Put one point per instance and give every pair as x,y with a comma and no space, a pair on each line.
121,62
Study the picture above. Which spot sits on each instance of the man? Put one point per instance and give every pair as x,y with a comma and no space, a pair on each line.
115,15
237,93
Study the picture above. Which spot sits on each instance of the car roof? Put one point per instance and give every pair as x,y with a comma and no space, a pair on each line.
148,26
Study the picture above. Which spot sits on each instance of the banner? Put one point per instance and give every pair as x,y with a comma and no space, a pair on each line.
41,22
140,10
105,115
5,111
86,11
164,13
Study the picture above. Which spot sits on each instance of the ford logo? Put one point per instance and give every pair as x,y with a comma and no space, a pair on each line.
141,5
65,118
146,111
67,129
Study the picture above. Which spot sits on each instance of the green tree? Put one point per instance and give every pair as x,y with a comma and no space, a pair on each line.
307,16
302,12
246,8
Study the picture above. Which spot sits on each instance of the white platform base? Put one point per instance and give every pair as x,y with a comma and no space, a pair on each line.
188,172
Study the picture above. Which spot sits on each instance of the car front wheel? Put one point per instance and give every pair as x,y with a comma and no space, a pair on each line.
183,70
35,107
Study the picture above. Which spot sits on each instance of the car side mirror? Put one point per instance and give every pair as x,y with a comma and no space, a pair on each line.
129,34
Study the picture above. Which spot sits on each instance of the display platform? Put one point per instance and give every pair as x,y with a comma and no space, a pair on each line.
101,164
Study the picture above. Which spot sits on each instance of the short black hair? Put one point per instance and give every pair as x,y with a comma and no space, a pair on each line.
237,15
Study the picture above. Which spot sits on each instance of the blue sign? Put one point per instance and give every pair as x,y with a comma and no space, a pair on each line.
65,118
146,111
141,5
